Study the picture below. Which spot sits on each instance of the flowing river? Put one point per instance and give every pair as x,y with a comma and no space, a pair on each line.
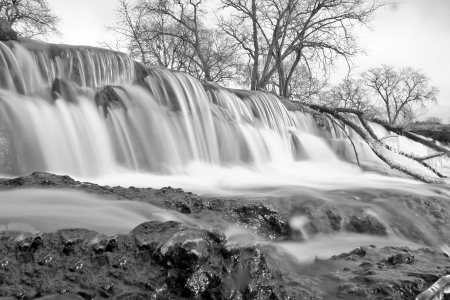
83,112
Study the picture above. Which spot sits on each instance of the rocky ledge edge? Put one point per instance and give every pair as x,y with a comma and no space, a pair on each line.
172,260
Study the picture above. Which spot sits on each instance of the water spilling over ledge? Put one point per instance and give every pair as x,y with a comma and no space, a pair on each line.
74,110
97,116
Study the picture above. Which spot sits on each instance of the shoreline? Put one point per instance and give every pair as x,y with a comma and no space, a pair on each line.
173,260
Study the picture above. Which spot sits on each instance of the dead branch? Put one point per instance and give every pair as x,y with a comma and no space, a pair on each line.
354,148
408,155
373,143
432,156
412,136
388,136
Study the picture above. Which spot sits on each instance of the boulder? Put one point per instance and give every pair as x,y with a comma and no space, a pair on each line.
156,260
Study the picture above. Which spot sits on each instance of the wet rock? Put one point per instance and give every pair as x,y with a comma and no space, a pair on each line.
14,182
172,260
6,32
270,218
389,272
107,97
401,258
258,215
62,89
156,260
140,74
189,262
335,219
174,244
261,218
365,223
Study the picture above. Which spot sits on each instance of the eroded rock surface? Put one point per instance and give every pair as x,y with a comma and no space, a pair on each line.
270,217
256,215
156,260
386,273
171,260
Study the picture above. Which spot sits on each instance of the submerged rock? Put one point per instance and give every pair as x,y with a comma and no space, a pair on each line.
61,88
253,215
272,217
365,223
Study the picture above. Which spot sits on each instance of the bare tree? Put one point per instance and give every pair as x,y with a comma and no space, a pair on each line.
433,120
130,32
307,33
139,32
351,93
172,34
30,18
402,93
212,56
305,86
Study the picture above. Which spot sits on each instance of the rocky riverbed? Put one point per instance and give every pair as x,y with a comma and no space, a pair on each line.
175,260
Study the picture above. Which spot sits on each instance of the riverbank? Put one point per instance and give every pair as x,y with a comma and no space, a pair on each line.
174,260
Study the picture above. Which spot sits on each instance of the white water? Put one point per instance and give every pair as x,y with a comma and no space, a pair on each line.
176,131
37,210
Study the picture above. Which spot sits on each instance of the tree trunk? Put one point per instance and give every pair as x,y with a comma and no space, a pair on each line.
255,69
413,137
371,142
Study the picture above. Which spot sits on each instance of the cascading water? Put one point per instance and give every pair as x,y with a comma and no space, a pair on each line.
176,121
85,113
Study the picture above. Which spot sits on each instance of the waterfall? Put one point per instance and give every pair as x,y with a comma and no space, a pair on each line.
75,111
95,114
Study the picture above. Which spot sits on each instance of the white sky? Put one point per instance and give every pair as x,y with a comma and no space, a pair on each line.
413,34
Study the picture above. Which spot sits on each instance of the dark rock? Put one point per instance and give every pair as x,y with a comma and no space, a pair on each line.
140,74
156,260
401,258
259,215
14,182
389,271
335,220
62,89
6,32
271,220
172,260
264,220
108,97
189,262
365,223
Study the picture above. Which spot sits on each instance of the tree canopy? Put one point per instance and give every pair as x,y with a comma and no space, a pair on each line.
287,47
401,92
30,18
274,45
279,36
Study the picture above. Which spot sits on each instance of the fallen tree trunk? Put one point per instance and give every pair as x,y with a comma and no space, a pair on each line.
412,156
369,129
412,136
371,140
433,156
